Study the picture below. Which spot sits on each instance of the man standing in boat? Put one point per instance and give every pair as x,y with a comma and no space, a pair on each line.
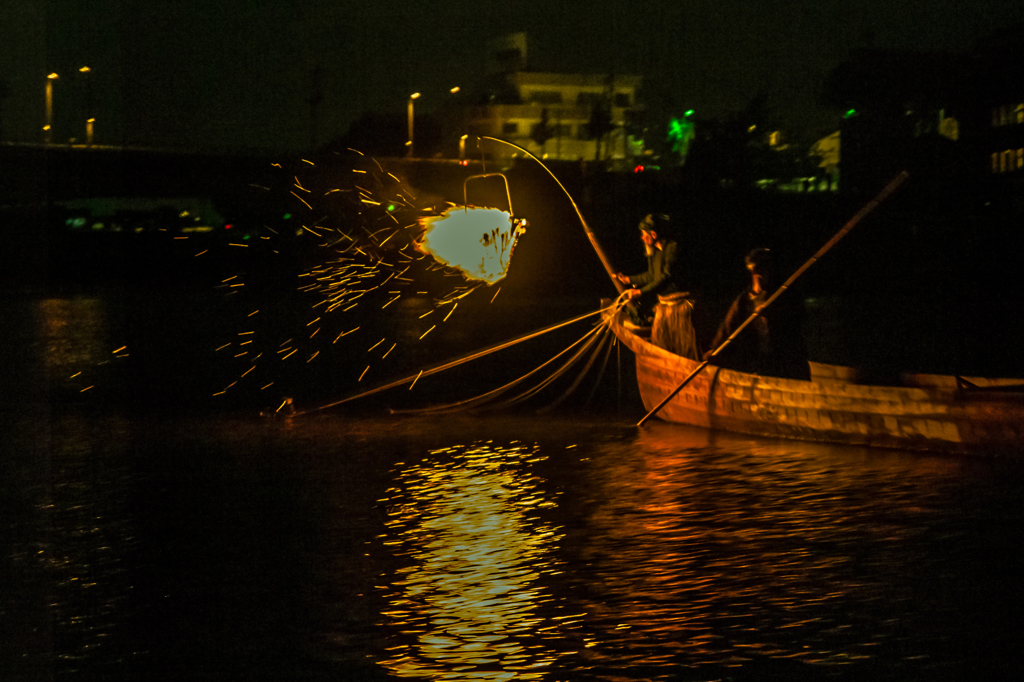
772,345
657,288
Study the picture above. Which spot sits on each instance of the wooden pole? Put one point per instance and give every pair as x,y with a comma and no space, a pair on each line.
586,228
870,206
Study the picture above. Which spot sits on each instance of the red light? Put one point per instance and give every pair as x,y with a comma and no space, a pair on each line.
228,226
639,169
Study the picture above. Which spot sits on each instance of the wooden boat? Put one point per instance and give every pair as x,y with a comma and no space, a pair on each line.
930,412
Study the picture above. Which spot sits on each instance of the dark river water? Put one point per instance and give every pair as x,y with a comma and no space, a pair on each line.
152,532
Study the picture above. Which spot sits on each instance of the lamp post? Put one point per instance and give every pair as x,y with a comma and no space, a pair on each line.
89,119
409,143
48,128
458,117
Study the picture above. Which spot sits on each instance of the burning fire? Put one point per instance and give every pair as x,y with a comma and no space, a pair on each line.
477,241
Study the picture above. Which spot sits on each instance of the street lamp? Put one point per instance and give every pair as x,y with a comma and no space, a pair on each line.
48,128
89,119
409,143
459,118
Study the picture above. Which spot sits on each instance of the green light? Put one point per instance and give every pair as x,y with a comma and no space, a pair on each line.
689,113
391,207
851,112
244,237
680,132
287,216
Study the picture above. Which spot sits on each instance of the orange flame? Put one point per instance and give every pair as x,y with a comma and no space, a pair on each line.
477,241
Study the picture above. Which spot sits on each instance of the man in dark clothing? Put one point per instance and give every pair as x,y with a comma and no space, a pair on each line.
657,289
660,251
772,344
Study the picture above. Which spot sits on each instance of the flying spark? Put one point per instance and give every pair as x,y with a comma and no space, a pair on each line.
356,237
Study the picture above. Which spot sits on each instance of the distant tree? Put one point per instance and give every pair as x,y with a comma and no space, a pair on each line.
374,134
542,131
730,152
385,135
895,84
600,123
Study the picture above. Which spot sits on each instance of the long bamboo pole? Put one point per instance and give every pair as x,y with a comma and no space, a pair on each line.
870,206
586,228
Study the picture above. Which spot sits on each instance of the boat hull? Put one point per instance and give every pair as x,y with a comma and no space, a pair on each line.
937,413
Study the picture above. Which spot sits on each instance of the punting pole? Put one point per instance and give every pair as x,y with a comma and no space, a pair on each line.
870,206
586,228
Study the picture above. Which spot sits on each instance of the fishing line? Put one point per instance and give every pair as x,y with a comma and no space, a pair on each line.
461,360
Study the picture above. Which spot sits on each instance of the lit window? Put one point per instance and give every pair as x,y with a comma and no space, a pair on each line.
995,162
950,127
1020,158
1007,161
1020,113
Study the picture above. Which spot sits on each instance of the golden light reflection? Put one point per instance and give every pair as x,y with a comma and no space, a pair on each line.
470,603
73,333
737,550
477,241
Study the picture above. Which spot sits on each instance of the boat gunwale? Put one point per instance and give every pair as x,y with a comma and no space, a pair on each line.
935,414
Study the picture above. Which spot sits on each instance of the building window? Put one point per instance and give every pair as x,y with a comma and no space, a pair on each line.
1006,164
1008,114
622,99
995,162
1020,158
510,128
949,127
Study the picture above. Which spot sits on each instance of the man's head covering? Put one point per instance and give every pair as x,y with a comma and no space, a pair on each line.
660,223
759,260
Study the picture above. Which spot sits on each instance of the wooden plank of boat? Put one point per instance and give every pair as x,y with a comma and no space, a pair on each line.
932,412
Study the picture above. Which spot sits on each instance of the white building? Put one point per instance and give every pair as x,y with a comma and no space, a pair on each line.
569,101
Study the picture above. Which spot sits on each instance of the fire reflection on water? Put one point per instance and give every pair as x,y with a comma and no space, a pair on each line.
471,600
719,551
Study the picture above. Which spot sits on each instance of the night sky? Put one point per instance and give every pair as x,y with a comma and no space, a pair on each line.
238,74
